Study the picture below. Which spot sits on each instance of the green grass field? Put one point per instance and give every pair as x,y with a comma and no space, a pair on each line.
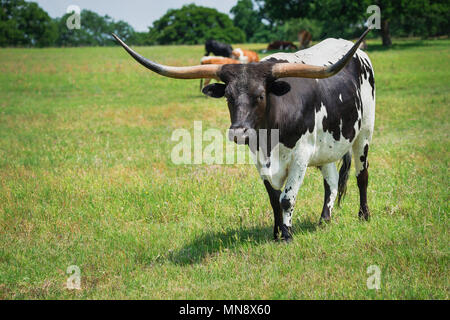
86,179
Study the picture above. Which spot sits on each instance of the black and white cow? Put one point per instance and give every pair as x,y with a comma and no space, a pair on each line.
321,100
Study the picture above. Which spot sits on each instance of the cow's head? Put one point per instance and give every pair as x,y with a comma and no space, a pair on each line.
246,87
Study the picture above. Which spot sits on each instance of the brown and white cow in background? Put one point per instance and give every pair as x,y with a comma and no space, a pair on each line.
304,39
245,56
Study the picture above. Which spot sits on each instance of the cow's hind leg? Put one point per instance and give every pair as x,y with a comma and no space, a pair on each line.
330,183
274,196
360,151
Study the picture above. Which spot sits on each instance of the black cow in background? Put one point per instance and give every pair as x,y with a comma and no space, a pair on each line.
218,48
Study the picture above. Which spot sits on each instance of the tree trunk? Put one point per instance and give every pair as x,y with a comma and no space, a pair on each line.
385,35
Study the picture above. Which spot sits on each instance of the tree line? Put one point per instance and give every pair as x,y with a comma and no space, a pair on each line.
26,24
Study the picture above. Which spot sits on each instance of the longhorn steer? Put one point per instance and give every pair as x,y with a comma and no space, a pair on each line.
320,118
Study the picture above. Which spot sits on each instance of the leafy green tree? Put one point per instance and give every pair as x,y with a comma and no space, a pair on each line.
139,39
25,24
333,18
193,25
95,30
413,17
290,29
265,33
280,10
246,18
122,29
346,18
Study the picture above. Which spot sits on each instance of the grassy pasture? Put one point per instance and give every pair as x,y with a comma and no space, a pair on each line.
86,179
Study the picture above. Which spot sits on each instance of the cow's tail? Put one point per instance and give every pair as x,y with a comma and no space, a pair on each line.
343,176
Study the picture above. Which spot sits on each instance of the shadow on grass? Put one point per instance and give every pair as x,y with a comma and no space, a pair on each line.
210,243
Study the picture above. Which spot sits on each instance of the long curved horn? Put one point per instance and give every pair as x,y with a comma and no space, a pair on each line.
284,70
192,72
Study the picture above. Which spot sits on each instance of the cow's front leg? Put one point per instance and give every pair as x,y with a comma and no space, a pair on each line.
289,195
330,183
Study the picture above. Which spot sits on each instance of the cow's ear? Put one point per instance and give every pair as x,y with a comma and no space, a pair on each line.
279,88
215,90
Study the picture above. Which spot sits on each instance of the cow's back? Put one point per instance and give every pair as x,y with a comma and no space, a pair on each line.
340,106
326,51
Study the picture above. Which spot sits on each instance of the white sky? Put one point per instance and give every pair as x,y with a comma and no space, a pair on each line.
138,13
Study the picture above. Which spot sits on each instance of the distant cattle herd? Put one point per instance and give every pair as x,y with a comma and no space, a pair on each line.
225,54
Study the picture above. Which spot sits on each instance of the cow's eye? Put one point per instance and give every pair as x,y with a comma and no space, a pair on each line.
261,98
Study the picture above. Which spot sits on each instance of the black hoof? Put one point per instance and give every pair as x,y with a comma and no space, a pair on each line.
324,219
364,214
286,233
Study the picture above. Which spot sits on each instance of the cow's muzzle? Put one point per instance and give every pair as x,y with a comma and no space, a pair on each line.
239,135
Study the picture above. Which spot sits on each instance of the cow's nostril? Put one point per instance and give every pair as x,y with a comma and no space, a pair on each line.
238,128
